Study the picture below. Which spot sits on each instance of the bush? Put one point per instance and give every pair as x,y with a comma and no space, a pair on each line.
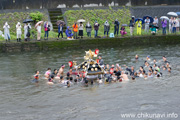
37,16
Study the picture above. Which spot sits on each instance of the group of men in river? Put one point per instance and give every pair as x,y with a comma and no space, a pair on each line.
112,74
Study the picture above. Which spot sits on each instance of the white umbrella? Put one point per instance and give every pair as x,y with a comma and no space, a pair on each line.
164,17
81,20
172,14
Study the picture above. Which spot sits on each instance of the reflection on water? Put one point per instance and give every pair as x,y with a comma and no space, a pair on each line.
20,100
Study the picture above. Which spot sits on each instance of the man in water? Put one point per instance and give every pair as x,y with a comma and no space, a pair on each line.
36,78
124,76
61,70
48,73
131,71
101,61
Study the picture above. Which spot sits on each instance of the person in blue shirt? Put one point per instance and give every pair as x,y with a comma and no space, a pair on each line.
69,33
60,31
116,27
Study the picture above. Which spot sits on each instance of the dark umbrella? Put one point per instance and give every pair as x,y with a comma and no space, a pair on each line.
124,25
178,13
60,22
151,19
154,26
140,20
27,20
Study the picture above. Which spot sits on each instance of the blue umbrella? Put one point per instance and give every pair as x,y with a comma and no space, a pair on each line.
140,20
178,13
151,19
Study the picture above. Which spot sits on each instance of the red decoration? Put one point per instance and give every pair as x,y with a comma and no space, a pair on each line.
70,63
97,51
97,60
111,71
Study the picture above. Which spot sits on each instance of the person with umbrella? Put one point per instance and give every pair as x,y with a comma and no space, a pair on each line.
106,28
96,28
123,30
88,29
38,28
60,30
170,25
18,31
164,25
131,25
75,30
177,24
6,32
147,22
116,27
81,29
46,29
174,25
139,26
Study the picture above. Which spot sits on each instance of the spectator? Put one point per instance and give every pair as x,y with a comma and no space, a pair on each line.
131,25
18,31
170,25
88,29
139,26
6,32
75,30
46,29
116,27
156,21
60,31
81,30
174,25
69,33
177,24
147,22
96,28
106,28
123,31
39,32
164,24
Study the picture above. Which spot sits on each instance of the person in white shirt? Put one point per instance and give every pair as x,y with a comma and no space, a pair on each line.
81,30
174,25
156,21
147,22
170,25
18,31
39,32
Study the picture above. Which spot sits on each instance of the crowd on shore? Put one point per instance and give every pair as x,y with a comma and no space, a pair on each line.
78,28
150,69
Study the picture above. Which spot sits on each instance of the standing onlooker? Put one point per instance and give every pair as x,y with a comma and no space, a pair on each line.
170,25
131,25
18,31
116,27
147,22
164,25
60,31
46,29
177,24
28,31
38,28
75,30
156,21
106,28
6,32
88,29
96,28
81,30
25,31
174,25
139,26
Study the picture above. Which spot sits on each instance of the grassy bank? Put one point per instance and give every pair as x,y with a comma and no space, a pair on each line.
14,17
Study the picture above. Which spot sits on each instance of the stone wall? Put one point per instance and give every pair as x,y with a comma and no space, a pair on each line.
89,43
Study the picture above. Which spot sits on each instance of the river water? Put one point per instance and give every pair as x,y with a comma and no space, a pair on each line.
22,100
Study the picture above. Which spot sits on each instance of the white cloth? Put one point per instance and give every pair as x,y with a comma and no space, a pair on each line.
6,31
25,31
38,29
18,30
131,30
177,23
81,27
147,21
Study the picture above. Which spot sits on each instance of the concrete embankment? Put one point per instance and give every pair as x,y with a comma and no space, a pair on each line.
89,43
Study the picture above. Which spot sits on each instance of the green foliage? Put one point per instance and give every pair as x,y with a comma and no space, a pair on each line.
37,16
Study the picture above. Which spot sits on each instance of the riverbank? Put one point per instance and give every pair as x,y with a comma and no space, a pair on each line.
88,43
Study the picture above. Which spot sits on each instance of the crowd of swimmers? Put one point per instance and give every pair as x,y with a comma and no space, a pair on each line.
113,73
